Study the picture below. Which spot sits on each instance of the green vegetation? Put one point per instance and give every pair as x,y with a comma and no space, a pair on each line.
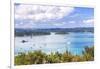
38,57
20,34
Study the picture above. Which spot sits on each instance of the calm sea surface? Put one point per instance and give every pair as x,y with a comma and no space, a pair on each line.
73,42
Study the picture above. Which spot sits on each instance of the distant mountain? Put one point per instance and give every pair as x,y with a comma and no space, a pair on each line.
88,29
47,31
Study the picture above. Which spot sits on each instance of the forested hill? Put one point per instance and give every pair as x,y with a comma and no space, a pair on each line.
47,31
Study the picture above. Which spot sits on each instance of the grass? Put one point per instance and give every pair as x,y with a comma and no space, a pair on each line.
39,57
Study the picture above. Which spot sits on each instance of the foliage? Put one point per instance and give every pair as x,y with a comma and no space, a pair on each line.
88,54
39,57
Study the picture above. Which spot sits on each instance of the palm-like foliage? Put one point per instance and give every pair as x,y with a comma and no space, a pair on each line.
38,57
88,54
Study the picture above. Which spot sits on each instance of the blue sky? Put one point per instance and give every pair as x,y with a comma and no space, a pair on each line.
42,16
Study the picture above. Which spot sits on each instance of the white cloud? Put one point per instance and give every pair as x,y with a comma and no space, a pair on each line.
41,13
24,26
59,24
71,21
88,21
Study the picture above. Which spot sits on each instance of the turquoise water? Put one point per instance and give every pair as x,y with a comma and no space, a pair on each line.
73,42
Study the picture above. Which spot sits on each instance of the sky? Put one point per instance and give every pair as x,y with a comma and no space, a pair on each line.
46,16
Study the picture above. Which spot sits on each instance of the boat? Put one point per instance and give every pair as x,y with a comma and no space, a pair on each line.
23,41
